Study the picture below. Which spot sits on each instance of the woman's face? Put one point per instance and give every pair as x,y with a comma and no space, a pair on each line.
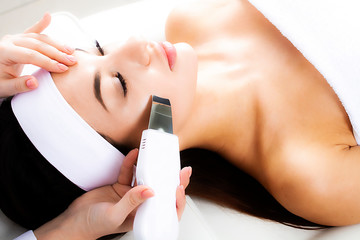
112,92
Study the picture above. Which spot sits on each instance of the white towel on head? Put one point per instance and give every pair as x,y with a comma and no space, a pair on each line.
327,33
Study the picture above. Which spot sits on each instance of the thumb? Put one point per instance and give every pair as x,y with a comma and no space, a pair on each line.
18,85
131,200
40,25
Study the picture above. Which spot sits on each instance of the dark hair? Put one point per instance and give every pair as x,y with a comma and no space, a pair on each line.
34,192
216,179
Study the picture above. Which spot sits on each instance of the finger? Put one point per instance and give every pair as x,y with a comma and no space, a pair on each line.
46,39
131,200
127,167
28,56
180,201
185,175
18,85
40,25
46,49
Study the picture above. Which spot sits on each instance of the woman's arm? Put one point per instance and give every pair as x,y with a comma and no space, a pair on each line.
321,184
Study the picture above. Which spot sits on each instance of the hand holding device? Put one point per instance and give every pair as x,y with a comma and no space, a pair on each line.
158,167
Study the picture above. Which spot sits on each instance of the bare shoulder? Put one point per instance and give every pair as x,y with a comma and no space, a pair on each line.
319,183
196,21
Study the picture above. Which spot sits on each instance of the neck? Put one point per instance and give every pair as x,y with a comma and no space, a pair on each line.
222,119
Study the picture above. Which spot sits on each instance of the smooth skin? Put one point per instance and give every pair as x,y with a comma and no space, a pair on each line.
146,71
257,102
265,108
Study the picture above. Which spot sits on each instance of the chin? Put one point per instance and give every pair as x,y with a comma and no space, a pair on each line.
186,57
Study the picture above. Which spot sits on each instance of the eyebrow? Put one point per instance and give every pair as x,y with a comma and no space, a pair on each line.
81,50
97,90
98,47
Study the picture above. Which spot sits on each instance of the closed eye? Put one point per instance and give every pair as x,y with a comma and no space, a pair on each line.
123,82
118,75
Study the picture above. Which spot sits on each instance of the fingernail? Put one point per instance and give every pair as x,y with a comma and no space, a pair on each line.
71,58
190,171
69,49
147,193
62,67
135,150
31,83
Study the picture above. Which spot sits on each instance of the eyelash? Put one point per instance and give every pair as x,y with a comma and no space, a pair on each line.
101,50
118,75
123,82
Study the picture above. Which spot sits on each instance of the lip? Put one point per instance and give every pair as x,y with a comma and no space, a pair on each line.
170,52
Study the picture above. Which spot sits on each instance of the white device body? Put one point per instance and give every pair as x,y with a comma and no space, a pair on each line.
158,167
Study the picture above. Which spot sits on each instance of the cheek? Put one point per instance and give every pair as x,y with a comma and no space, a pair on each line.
179,86
131,121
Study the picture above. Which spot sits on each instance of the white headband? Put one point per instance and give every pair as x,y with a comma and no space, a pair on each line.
64,138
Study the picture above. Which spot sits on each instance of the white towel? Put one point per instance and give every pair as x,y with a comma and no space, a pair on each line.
327,32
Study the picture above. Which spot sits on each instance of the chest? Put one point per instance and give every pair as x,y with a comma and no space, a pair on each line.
296,103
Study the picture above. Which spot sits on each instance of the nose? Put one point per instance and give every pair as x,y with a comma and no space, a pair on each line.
136,48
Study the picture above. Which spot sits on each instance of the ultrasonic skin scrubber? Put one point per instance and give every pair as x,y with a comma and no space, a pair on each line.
158,167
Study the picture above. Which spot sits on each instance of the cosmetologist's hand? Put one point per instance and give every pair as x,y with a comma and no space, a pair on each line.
30,47
109,209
